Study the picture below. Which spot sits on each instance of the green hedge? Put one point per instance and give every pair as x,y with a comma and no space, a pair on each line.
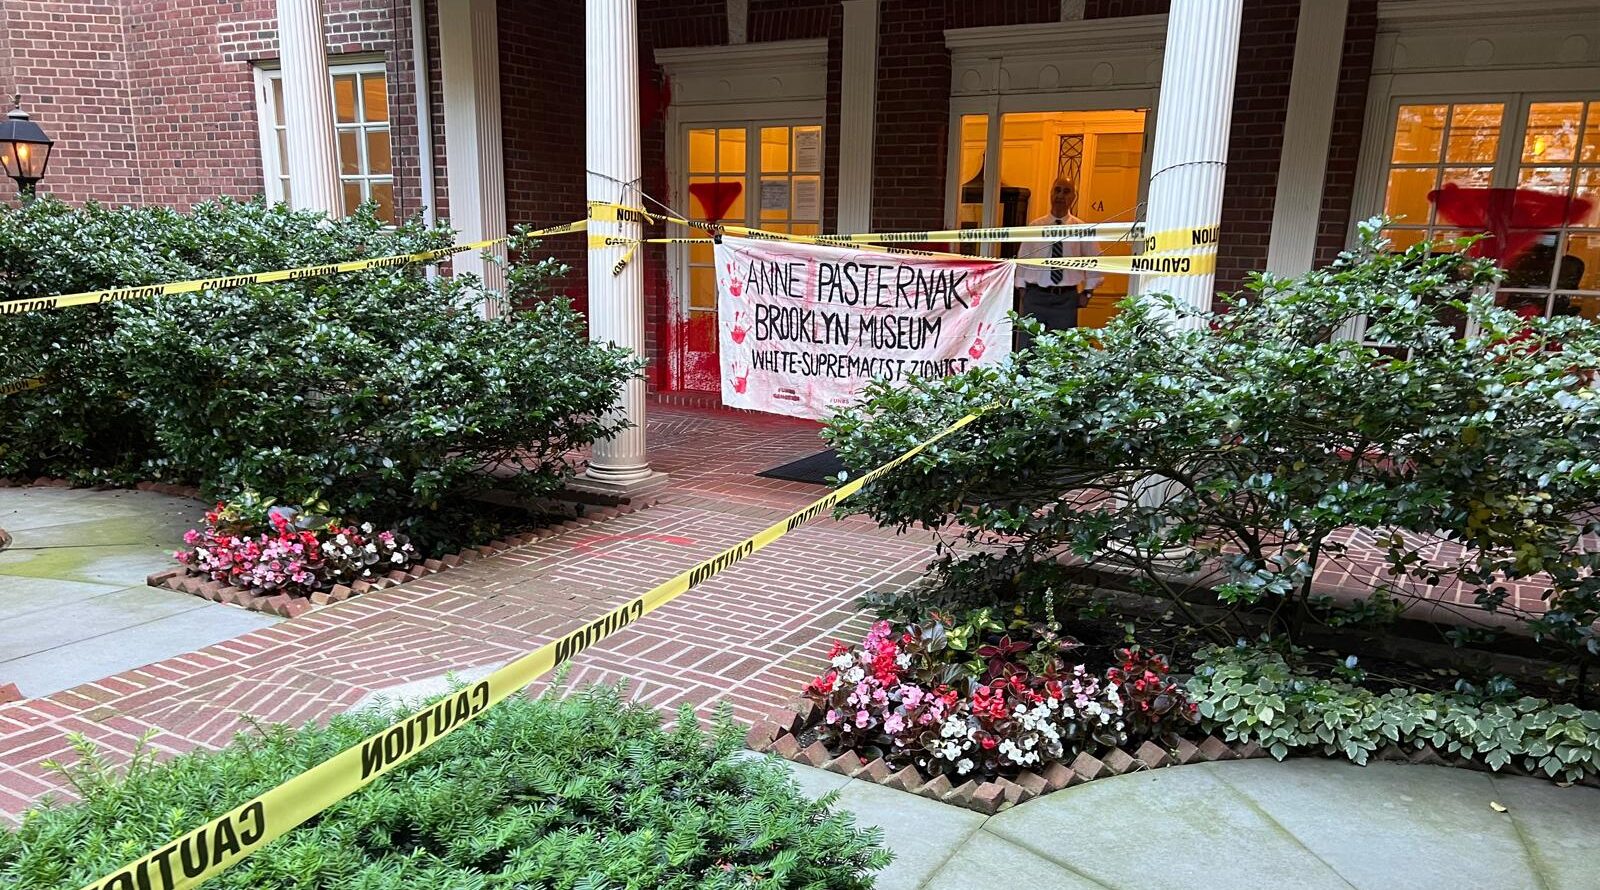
382,393
587,792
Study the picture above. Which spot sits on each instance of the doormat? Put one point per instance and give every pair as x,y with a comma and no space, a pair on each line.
814,469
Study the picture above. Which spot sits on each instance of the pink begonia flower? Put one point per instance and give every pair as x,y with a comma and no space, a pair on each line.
832,717
863,718
894,724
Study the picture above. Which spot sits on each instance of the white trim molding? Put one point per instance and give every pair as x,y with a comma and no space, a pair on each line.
1055,57
858,106
775,71
1485,35
469,60
1307,126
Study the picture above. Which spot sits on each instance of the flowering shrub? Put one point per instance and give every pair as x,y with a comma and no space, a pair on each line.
1158,707
291,557
876,698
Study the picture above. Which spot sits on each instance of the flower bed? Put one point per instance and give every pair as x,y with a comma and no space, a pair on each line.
985,715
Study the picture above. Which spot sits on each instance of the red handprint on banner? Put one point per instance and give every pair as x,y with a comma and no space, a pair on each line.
978,347
734,285
738,331
741,382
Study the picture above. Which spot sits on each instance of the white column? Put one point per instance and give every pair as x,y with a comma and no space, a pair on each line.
308,96
616,302
1194,113
469,59
1313,87
858,109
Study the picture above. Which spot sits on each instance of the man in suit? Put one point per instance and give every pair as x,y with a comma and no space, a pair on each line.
1054,296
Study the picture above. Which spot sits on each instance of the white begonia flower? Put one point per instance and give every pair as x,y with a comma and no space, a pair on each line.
854,675
342,539
903,659
397,557
366,527
842,661
372,548
964,766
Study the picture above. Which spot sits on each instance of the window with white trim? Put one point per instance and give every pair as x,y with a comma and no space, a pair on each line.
1523,168
361,124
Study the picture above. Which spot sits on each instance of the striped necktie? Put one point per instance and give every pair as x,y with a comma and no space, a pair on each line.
1055,253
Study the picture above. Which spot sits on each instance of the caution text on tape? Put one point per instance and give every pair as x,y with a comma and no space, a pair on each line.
213,847
225,282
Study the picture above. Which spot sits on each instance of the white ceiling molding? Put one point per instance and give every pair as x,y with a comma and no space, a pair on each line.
775,71
1484,35
1055,57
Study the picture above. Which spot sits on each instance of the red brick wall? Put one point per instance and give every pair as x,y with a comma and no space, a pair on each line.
69,60
1349,113
1255,140
153,101
541,97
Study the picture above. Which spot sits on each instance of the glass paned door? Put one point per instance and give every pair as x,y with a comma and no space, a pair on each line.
767,176
1525,169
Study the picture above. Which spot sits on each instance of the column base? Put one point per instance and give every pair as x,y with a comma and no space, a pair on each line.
650,483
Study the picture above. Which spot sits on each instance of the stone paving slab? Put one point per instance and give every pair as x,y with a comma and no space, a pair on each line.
1362,822
1241,825
74,607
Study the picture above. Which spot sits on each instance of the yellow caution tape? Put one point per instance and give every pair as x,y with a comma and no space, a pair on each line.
1203,239
21,384
140,292
212,848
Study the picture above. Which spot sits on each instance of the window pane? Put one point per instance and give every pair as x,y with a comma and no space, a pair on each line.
702,151
1407,197
1528,211
1526,305
1469,177
775,201
1474,133
1535,267
378,161
374,98
730,150
702,252
349,153
1580,264
807,203
1552,133
808,149
344,98
1400,239
1588,189
1418,133
352,196
283,151
702,288
1582,307
774,149
283,183
383,194
277,100
1591,135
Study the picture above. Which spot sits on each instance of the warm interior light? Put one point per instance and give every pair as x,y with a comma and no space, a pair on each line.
1539,145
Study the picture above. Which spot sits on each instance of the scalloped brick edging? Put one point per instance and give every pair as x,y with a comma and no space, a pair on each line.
185,580
779,735
182,579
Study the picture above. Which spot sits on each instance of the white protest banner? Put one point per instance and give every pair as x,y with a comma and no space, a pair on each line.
804,327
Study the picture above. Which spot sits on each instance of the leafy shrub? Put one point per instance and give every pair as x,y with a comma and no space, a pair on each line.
1231,448
383,393
588,792
1253,694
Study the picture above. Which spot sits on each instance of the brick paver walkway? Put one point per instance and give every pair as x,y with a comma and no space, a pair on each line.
747,637
751,637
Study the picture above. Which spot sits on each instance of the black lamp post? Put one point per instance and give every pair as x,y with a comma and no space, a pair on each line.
24,149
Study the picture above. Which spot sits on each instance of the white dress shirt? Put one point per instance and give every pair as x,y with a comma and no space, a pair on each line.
1040,275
